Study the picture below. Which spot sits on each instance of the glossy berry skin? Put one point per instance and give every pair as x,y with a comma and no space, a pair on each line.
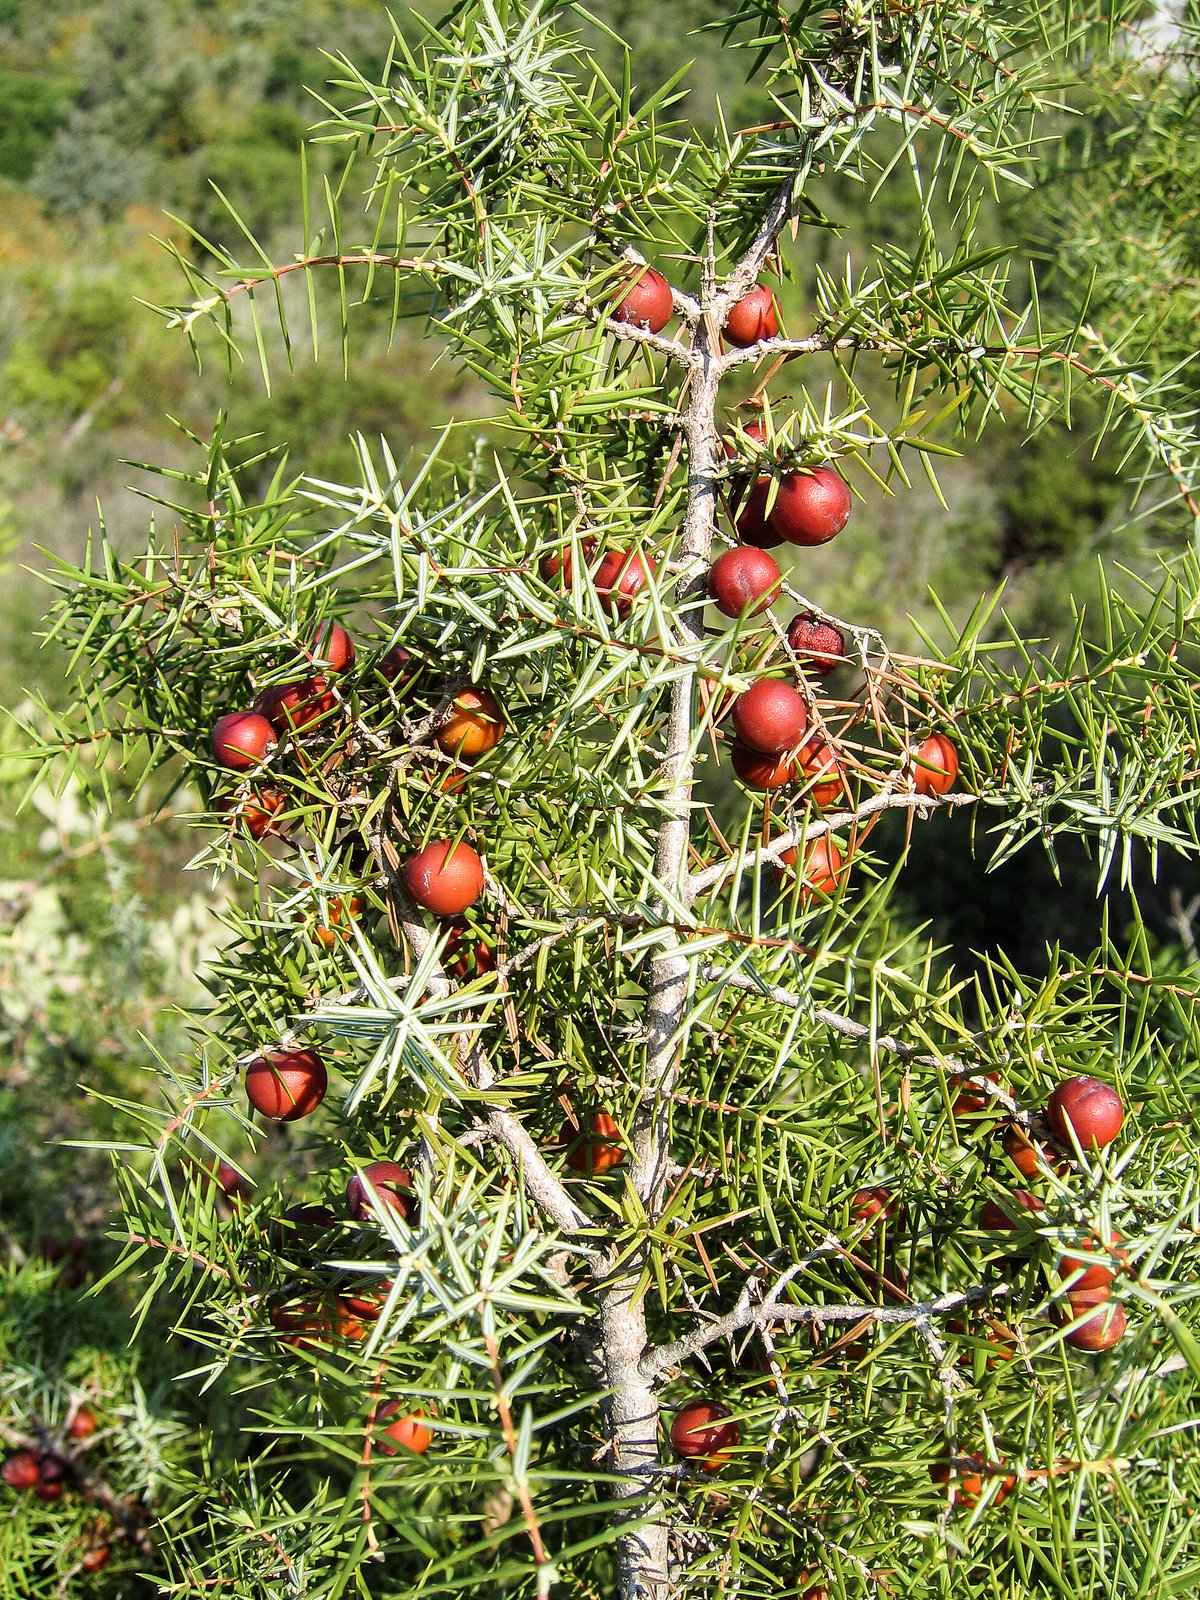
1091,1108
770,717
83,1424
619,578
20,1471
753,525
758,771
753,318
817,645
646,302
818,761
743,578
812,507
824,867
475,725
701,1432
445,878
935,765
406,1433
295,707
562,562
333,647
241,739
286,1085
1093,1326
393,1191
1095,1274
993,1218
596,1150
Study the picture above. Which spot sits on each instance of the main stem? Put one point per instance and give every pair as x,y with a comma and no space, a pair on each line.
643,1551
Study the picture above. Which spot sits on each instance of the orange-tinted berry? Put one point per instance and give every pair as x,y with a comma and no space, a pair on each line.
446,878
824,867
972,1101
83,1424
20,1471
306,1324
475,725
296,707
818,766
935,765
595,1150
406,1433
753,318
1094,1274
1094,1324
285,1085
96,1558
701,1431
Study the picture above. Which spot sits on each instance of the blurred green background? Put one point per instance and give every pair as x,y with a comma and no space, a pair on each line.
114,113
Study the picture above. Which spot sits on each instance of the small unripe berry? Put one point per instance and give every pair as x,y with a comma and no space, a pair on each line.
257,813
83,1424
475,725
286,1085
333,647
406,1433
392,1185
700,1431
444,877
743,577
241,739
812,507
621,575
935,765
1092,1108
818,645
645,300
596,1149
752,318
770,717
759,771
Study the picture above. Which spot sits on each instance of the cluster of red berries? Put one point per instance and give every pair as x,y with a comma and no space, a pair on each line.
1083,1114
45,1472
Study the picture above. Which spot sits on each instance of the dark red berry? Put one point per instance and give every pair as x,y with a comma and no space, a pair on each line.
743,577
645,300
753,318
812,507
818,645
770,717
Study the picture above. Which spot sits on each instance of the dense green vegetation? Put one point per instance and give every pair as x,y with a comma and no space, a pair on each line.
115,113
